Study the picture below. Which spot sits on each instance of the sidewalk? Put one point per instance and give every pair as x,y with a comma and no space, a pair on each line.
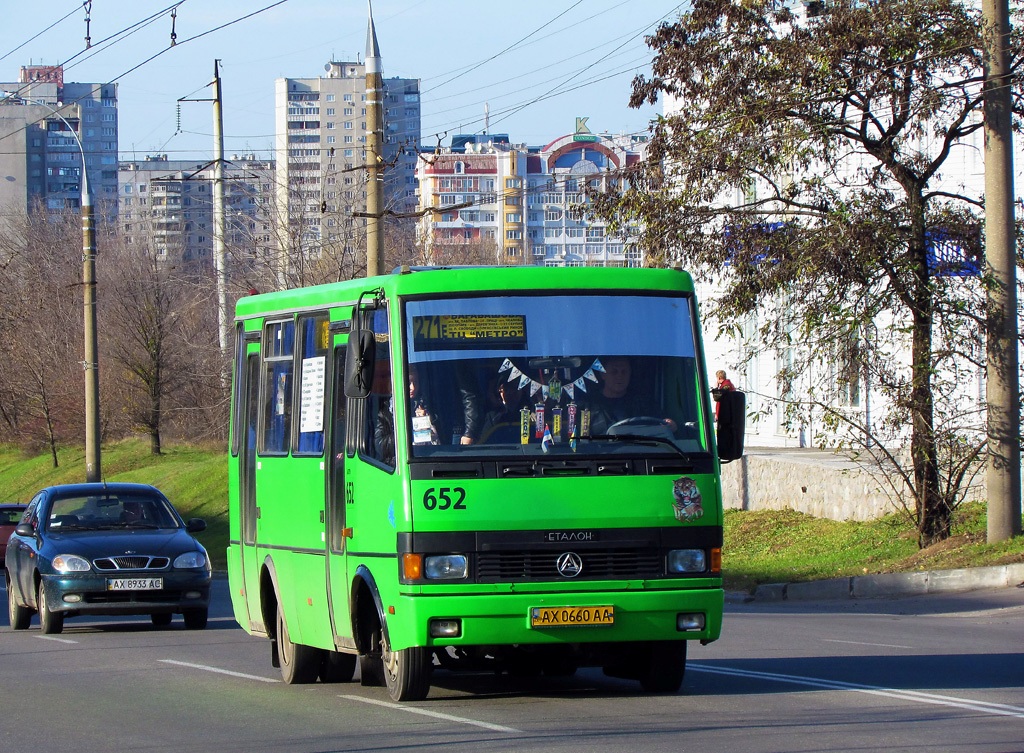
890,584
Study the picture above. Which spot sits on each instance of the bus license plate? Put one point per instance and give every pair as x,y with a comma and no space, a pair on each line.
543,617
135,584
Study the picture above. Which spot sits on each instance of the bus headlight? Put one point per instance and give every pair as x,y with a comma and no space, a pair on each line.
687,561
445,567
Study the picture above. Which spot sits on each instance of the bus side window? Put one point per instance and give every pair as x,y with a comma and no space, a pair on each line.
309,407
278,345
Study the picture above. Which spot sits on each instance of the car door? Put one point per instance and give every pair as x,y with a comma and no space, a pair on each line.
22,552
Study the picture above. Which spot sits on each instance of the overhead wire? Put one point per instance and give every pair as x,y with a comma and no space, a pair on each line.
39,34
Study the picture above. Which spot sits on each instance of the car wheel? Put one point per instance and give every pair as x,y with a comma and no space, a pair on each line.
163,619
50,622
19,616
195,619
300,664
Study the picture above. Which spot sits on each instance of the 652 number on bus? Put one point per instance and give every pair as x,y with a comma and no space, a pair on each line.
445,498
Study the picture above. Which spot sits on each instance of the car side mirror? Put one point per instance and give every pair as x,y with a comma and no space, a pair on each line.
195,525
732,419
359,362
25,529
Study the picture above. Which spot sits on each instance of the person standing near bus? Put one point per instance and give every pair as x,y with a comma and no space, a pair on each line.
723,385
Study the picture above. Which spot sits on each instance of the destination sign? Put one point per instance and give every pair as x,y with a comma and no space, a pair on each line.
469,331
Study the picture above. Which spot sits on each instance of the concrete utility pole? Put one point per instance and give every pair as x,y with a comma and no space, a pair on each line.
1002,382
91,362
374,154
219,253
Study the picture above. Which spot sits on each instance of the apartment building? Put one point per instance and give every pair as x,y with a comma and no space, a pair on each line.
320,127
46,125
169,204
485,196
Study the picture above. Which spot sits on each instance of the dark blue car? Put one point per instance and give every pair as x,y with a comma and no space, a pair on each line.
106,549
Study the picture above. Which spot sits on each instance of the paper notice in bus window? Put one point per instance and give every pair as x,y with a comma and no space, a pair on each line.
469,331
312,397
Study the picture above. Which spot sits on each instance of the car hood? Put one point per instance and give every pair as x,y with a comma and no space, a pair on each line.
93,544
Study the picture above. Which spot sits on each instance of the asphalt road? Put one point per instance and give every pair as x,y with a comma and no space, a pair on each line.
926,673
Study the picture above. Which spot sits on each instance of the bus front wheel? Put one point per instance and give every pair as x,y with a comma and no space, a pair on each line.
300,664
407,672
663,666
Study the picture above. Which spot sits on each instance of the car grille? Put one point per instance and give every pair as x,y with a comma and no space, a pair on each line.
626,563
132,562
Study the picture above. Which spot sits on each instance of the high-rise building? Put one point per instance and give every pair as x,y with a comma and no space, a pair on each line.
43,123
320,126
169,204
486,200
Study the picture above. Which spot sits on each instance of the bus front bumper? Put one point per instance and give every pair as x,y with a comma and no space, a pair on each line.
556,618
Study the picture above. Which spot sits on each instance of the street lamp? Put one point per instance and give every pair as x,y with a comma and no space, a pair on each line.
91,359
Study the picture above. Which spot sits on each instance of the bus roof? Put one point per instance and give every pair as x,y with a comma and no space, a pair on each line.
406,281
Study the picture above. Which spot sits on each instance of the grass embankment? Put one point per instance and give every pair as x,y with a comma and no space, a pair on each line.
760,547
193,478
780,546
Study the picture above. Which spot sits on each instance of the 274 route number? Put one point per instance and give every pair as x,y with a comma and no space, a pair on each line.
445,498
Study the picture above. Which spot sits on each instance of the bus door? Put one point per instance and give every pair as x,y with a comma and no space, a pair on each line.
337,566
249,394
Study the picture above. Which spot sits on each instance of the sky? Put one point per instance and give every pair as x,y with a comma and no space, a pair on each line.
536,65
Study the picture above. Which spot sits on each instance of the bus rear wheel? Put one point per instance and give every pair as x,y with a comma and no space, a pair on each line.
407,672
300,664
337,667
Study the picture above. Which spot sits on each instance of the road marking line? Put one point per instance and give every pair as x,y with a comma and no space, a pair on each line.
997,709
435,714
208,668
52,638
861,643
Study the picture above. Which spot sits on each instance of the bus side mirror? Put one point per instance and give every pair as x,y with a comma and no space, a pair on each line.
732,418
359,359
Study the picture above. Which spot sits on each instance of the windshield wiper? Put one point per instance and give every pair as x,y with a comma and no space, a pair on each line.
640,439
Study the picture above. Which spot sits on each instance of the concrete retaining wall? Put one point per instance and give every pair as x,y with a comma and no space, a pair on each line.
815,482
894,584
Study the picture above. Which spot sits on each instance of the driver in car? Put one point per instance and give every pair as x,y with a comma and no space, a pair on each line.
615,402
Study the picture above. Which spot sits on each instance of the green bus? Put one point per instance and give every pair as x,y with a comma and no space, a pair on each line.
503,468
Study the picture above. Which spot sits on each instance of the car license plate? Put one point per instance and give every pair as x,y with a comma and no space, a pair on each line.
135,584
543,617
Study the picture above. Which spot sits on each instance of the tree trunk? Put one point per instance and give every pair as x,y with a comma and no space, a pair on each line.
933,513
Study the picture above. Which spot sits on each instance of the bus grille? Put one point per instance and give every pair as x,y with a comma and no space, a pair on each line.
597,564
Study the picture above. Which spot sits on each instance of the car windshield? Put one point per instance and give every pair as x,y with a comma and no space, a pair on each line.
579,375
129,511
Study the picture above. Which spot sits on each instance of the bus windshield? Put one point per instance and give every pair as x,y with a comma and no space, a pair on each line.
561,374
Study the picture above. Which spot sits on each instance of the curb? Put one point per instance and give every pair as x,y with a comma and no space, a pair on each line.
889,584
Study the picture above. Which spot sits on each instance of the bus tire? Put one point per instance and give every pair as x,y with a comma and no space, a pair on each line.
337,667
662,666
300,665
407,672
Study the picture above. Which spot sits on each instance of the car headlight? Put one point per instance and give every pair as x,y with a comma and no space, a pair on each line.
687,561
445,567
70,563
190,560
